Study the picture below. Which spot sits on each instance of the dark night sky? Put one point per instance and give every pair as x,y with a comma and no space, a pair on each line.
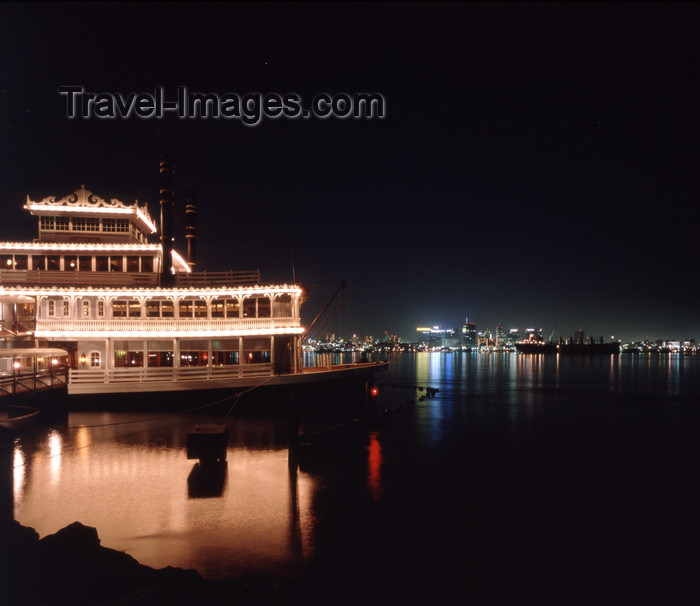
537,165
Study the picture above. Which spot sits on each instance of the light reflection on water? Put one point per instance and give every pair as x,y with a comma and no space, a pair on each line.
130,480
374,464
131,484
517,377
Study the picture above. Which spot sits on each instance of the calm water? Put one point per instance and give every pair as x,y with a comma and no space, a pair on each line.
525,479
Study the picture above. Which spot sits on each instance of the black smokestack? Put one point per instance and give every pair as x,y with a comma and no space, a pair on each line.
191,224
166,209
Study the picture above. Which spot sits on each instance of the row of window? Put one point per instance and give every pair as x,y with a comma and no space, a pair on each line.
249,307
84,224
135,359
118,263
160,354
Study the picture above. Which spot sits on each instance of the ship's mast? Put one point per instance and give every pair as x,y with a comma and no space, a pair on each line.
166,211
191,224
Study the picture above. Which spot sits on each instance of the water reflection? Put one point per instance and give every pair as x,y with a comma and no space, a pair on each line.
55,452
496,423
374,460
207,480
131,484
20,472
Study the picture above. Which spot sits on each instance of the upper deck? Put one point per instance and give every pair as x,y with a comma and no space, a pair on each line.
85,240
67,264
83,217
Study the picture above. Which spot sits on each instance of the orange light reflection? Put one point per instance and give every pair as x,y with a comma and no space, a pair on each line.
374,461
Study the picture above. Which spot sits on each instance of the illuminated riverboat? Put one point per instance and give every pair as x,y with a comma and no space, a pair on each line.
134,317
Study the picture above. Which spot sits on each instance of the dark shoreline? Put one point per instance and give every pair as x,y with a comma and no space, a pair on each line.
70,567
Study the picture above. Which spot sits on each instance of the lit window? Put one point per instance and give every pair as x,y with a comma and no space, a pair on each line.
200,309
256,307
263,307
249,307
156,308
232,308
160,354
101,263
86,308
92,224
152,309
147,264
194,353
132,264
95,359
167,309
126,308
84,263
119,309
128,354
116,263
257,351
225,352
66,307
38,262
217,308
283,306
134,309
186,308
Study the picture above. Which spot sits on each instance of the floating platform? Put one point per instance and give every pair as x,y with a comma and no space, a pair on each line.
208,443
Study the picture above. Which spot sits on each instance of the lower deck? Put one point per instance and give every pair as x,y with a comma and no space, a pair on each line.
139,380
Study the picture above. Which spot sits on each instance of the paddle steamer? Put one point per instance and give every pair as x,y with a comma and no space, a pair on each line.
133,316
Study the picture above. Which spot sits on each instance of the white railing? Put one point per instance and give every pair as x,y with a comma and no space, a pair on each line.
219,278
161,325
35,277
150,375
53,277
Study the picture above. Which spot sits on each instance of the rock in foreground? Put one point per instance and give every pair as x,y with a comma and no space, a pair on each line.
71,567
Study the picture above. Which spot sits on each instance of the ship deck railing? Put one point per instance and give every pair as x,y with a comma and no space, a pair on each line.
47,326
221,278
94,376
35,277
154,375
28,382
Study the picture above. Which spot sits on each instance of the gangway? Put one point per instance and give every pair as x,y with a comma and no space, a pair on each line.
32,369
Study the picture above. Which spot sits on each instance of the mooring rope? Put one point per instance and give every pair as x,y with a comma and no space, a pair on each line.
171,414
238,396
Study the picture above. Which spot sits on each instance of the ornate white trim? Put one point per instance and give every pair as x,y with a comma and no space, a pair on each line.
83,197
84,200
